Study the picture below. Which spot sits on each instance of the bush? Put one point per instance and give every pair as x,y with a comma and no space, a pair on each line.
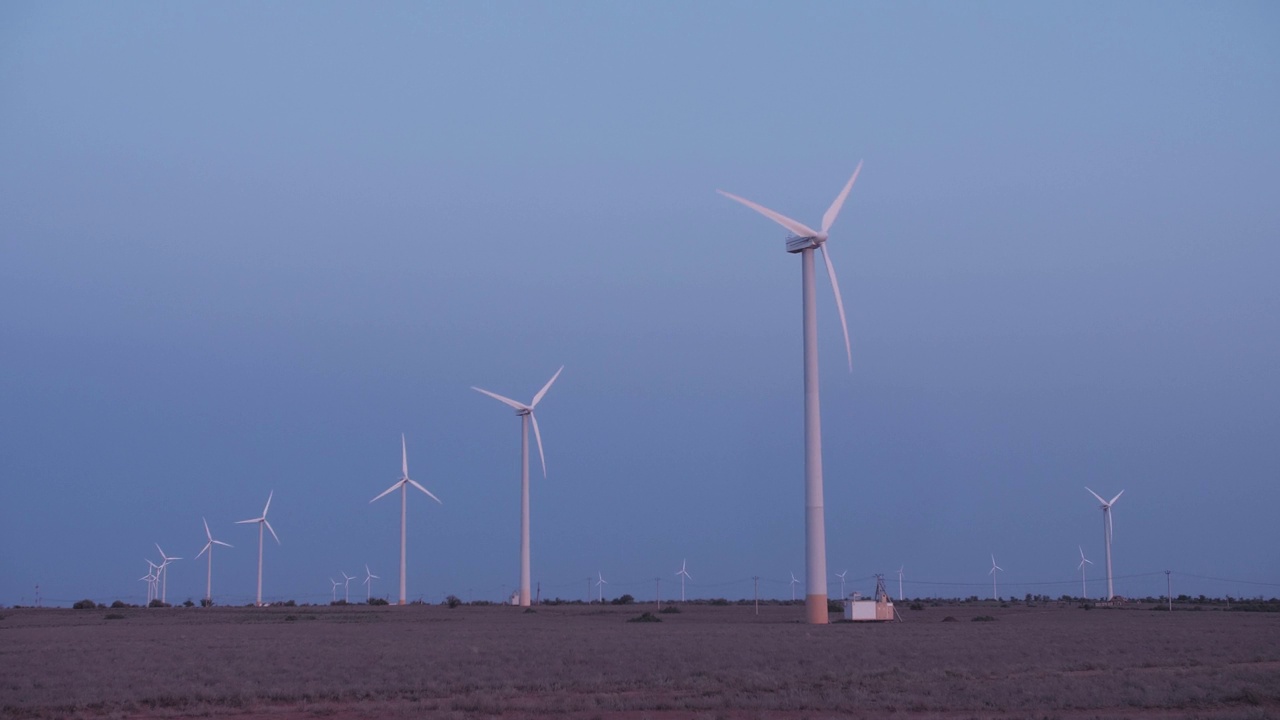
114,616
718,602
188,603
984,618
949,618
381,601
624,600
669,610
835,606
206,602
118,604
916,606
158,603
646,618
85,605
452,601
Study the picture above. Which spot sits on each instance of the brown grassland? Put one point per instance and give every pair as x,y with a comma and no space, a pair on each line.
1045,661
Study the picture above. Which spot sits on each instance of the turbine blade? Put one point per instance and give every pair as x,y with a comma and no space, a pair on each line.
202,550
268,505
1117,497
794,226
538,398
384,493
246,522
404,458
499,398
537,435
219,542
428,492
835,286
273,530
829,217
206,528
1104,502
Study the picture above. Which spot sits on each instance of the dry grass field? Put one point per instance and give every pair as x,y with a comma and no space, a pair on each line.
1047,661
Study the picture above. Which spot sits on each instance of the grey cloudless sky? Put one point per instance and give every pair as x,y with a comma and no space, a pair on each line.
245,246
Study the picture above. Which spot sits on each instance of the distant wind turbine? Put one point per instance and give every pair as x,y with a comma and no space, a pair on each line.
600,585
1106,531
152,577
403,484
336,585
900,569
208,547
368,580
1084,589
346,587
526,418
994,567
261,522
841,576
805,240
794,582
164,574
682,574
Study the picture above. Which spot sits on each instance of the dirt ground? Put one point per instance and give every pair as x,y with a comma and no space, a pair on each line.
574,661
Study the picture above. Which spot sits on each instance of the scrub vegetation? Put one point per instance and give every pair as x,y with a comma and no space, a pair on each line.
1045,660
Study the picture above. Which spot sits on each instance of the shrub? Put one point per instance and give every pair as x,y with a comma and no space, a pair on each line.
669,610
529,610
916,606
206,602
452,601
646,618
114,616
835,606
380,601
288,603
624,600
718,602
85,605
188,603
118,604
983,618
949,618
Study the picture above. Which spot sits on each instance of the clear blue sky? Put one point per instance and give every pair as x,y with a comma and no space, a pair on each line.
244,246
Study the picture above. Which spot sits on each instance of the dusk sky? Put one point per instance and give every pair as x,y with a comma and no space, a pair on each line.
245,246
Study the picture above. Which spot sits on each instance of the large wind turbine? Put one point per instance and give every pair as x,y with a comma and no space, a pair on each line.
526,417
682,574
368,580
1084,588
208,547
804,241
1106,532
403,483
994,567
261,522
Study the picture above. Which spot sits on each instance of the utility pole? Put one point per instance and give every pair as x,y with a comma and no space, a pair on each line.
756,578
1168,581
657,591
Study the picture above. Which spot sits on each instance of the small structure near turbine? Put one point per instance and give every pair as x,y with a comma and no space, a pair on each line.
878,610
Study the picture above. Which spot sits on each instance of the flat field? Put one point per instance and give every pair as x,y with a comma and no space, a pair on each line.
576,661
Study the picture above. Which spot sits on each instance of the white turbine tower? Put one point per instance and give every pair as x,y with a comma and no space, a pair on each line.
403,484
805,241
994,567
164,574
368,581
600,585
526,417
682,574
346,587
1084,589
261,522
900,569
1106,532
208,547
794,582
841,576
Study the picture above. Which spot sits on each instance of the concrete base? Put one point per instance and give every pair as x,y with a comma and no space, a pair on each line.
815,607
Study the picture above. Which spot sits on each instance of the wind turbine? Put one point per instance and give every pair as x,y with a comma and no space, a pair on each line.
261,522
208,547
804,241
684,573
335,584
346,587
403,483
152,577
994,567
841,576
1106,532
526,417
164,574
1084,589
368,581
600,585
900,569
794,581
